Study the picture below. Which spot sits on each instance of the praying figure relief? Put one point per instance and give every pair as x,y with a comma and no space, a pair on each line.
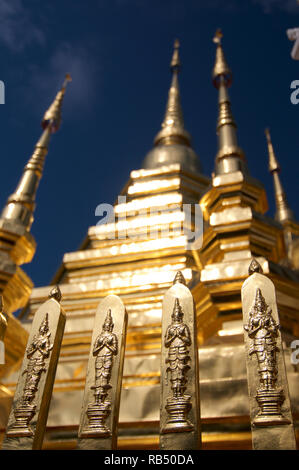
177,339
263,330
104,348
37,353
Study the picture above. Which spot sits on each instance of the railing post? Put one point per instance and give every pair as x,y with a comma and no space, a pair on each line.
179,396
100,408
270,411
28,417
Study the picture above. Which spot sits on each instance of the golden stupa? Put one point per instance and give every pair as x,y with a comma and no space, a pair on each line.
125,257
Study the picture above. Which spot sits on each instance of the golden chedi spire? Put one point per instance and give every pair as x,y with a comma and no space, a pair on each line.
283,211
172,144
230,156
173,131
20,205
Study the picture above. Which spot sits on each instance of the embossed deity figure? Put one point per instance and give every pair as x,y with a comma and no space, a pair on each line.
37,352
264,331
177,339
105,347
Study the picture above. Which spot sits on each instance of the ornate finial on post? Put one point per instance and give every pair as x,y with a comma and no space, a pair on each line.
101,400
179,278
254,267
28,417
55,293
179,395
270,410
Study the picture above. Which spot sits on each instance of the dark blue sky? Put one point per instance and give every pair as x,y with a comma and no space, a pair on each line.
118,53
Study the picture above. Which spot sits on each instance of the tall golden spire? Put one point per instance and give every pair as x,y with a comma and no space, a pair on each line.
20,205
173,131
230,156
283,211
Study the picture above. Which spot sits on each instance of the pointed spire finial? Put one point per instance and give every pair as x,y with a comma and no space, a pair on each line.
55,293
173,131
255,267
283,210
67,79
175,61
218,36
52,117
273,163
230,157
21,204
44,327
221,69
179,278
